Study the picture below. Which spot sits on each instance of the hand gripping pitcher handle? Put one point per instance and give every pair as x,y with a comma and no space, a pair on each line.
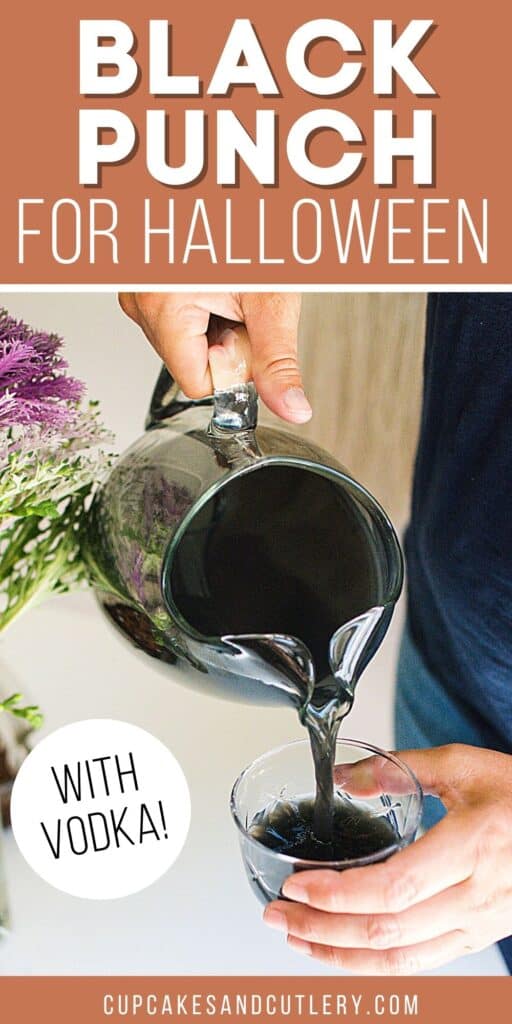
235,401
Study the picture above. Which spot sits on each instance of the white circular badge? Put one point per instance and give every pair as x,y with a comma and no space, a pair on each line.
100,809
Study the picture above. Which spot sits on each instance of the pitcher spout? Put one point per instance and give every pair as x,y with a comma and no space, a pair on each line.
351,647
278,663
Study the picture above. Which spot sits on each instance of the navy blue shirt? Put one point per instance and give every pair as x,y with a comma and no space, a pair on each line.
459,542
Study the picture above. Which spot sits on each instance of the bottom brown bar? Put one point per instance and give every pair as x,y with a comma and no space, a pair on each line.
87,1000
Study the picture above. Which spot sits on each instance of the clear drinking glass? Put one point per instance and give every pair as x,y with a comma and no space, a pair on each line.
381,785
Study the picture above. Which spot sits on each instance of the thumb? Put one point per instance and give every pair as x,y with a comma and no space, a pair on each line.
455,772
272,322
441,772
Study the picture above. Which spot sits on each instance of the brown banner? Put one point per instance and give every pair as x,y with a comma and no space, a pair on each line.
455,229
100,1000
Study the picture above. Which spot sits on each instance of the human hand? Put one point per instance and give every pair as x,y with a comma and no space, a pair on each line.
176,323
446,895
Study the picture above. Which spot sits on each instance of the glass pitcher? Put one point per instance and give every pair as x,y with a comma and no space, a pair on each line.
243,553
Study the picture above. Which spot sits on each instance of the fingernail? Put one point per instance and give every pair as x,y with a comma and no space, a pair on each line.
275,919
297,403
295,890
300,946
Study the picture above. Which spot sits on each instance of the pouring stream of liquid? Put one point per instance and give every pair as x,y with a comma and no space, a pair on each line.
286,664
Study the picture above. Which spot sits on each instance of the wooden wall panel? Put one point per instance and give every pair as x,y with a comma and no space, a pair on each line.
362,359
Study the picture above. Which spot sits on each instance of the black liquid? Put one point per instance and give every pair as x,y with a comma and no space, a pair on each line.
279,550
288,828
285,551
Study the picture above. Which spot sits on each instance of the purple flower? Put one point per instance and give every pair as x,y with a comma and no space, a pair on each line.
34,387
51,459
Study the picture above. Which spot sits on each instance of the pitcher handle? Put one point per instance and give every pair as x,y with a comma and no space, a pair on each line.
235,401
